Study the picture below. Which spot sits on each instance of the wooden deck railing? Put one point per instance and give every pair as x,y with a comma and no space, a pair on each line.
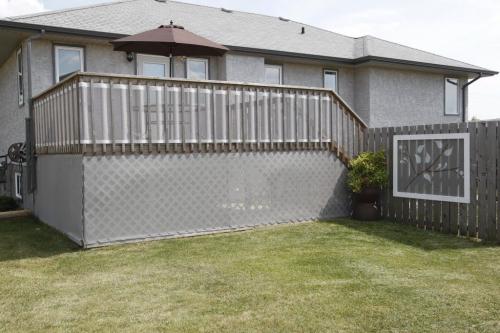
93,113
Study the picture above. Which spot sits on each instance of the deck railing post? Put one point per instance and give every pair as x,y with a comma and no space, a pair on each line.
78,113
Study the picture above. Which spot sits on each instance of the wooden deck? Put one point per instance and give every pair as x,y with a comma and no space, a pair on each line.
91,113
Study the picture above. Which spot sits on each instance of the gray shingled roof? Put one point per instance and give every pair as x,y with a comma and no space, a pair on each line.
237,29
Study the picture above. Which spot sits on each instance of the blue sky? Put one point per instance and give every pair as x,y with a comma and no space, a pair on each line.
467,30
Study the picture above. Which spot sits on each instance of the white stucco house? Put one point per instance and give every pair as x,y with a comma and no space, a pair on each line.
283,87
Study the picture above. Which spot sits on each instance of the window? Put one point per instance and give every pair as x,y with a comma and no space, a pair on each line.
451,96
18,178
273,74
20,84
330,79
155,66
197,69
68,61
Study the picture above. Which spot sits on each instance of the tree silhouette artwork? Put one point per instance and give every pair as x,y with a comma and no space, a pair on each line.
430,164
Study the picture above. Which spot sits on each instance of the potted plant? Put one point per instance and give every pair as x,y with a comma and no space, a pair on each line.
366,178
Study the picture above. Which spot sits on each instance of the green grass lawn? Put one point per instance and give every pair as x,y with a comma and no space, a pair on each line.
341,276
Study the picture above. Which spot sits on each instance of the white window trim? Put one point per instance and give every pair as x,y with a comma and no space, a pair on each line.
57,48
446,198
18,190
20,74
152,59
280,67
325,71
458,96
200,60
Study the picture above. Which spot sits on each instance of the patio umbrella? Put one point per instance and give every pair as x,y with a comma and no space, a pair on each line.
169,40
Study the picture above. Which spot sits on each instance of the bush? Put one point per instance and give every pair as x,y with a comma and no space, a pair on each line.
367,170
7,203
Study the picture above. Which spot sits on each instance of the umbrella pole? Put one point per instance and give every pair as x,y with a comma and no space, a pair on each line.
171,63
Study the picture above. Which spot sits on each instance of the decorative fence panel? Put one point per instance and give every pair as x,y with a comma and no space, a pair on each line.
477,217
99,113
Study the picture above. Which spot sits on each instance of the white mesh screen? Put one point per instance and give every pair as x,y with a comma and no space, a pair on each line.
263,116
205,116
173,115
290,118
220,116
156,114
235,124
276,117
139,133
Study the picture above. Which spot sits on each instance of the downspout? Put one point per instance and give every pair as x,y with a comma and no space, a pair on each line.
30,84
30,145
464,87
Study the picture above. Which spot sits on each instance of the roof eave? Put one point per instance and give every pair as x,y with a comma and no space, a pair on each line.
107,35
76,32
479,71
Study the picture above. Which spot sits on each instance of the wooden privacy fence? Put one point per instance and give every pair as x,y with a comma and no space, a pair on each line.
481,217
100,113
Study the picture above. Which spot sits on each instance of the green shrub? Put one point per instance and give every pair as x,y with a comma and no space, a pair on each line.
7,203
367,170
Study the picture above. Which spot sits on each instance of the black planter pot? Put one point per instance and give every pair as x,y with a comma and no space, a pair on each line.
366,204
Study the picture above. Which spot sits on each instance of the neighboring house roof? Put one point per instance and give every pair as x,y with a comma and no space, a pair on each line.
238,30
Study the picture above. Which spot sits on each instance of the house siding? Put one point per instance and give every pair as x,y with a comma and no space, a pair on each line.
302,75
98,58
244,68
311,75
362,93
400,97
346,85
12,116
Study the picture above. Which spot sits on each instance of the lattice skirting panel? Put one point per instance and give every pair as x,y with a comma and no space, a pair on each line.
134,197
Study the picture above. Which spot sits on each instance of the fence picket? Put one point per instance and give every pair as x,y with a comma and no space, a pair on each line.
390,205
386,194
453,206
482,177
398,202
491,180
406,202
462,207
473,206
413,203
445,206
498,182
420,203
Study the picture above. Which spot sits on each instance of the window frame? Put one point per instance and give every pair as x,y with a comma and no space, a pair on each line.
152,59
458,96
58,47
325,70
205,60
18,185
20,76
274,66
